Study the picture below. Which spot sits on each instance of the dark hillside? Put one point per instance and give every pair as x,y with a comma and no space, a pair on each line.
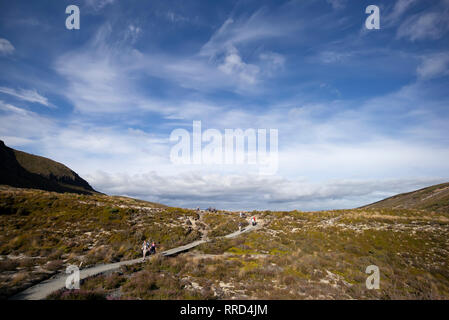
24,170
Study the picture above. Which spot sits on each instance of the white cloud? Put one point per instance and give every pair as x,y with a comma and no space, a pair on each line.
103,80
334,57
233,64
6,47
175,17
132,33
11,108
103,77
400,7
337,4
224,45
243,31
424,26
82,145
98,4
26,95
271,62
18,125
433,66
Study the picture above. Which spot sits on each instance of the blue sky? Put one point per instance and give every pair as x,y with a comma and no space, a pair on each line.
361,114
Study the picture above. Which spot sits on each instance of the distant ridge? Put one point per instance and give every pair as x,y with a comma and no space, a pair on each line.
25,170
434,198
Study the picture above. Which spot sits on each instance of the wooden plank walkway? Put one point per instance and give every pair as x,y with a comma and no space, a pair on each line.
43,289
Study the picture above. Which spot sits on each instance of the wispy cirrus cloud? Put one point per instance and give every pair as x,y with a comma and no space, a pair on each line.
103,76
176,17
434,65
337,4
98,4
223,46
334,56
26,95
233,64
399,8
424,26
6,48
11,108
20,127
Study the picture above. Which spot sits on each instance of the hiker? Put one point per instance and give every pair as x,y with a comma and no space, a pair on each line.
144,249
253,221
153,248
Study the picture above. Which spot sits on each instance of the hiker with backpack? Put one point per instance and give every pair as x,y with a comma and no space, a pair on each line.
253,221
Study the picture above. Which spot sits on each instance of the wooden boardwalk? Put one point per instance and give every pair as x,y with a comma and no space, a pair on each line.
43,289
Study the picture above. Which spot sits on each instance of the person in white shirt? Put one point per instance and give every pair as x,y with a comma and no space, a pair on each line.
144,249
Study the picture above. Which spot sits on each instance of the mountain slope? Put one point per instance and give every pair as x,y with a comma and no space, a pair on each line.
435,198
24,170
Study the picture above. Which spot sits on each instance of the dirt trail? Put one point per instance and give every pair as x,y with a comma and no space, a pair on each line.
200,226
43,289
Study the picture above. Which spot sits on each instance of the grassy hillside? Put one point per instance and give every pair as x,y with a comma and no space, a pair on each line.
24,170
298,255
434,198
295,255
42,232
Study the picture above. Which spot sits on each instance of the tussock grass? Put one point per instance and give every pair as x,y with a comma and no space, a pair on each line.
296,255
46,231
